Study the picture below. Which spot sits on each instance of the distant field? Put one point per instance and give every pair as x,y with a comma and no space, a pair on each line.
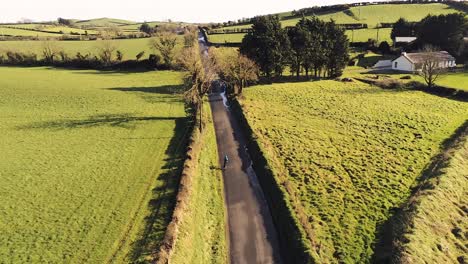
22,32
388,13
103,22
226,38
371,15
374,14
359,35
363,35
129,47
82,155
348,153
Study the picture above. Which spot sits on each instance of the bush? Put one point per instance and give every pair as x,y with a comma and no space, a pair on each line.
406,77
391,84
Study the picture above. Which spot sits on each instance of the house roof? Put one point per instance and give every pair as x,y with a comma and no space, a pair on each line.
405,39
419,57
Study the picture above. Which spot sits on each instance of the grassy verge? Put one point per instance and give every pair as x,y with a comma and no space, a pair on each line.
202,234
435,221
347,154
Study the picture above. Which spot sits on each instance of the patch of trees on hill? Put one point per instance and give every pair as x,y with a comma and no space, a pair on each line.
445,32
312,45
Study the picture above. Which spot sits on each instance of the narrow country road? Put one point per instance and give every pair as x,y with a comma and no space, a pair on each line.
252,235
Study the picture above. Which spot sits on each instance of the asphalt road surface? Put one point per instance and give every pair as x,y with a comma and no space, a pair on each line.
252,236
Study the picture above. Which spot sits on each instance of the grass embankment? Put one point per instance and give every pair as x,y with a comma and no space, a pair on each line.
89,163
347,154
436,223
202,233
129,47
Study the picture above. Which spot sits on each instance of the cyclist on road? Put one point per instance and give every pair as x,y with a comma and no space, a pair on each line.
226,160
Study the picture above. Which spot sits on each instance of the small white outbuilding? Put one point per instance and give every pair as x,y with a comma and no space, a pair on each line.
412,62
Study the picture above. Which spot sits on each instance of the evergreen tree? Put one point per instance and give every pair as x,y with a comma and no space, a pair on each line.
444,31
267,45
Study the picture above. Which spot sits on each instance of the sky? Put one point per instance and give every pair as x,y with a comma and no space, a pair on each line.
150,10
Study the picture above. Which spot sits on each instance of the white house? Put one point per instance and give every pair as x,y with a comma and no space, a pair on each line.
412,62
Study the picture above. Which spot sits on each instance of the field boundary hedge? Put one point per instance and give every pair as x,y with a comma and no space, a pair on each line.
294,243
183,196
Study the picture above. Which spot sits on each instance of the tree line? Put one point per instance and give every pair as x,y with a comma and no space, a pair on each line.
445,32
310,46
164,47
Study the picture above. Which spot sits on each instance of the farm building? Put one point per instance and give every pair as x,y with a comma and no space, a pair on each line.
411,62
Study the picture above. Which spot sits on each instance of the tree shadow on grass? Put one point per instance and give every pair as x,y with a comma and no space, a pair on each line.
165,89
164,196
114,120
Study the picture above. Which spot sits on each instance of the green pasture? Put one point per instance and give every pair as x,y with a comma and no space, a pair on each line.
103,22
27,33
226,38
348,154
374,14
89,165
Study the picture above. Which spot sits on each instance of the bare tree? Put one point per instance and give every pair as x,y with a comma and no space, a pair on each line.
235,69
165,43
106,49
200,74
50,50
430,66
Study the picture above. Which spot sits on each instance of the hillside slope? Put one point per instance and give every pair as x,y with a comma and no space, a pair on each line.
436,228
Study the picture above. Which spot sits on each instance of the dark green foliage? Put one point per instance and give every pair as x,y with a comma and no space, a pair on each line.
119,56
267,44
384,47
65,22
445,32
403,28
146,28
318,45
139,55
311,44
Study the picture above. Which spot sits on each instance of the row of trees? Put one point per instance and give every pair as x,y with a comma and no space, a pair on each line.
203,68
312,45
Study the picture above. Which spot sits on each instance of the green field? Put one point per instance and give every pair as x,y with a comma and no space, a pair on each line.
348,154
129,47
83,153
371,15
6,31
226,38
202,234
103,22
439,220
359,35
387,13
